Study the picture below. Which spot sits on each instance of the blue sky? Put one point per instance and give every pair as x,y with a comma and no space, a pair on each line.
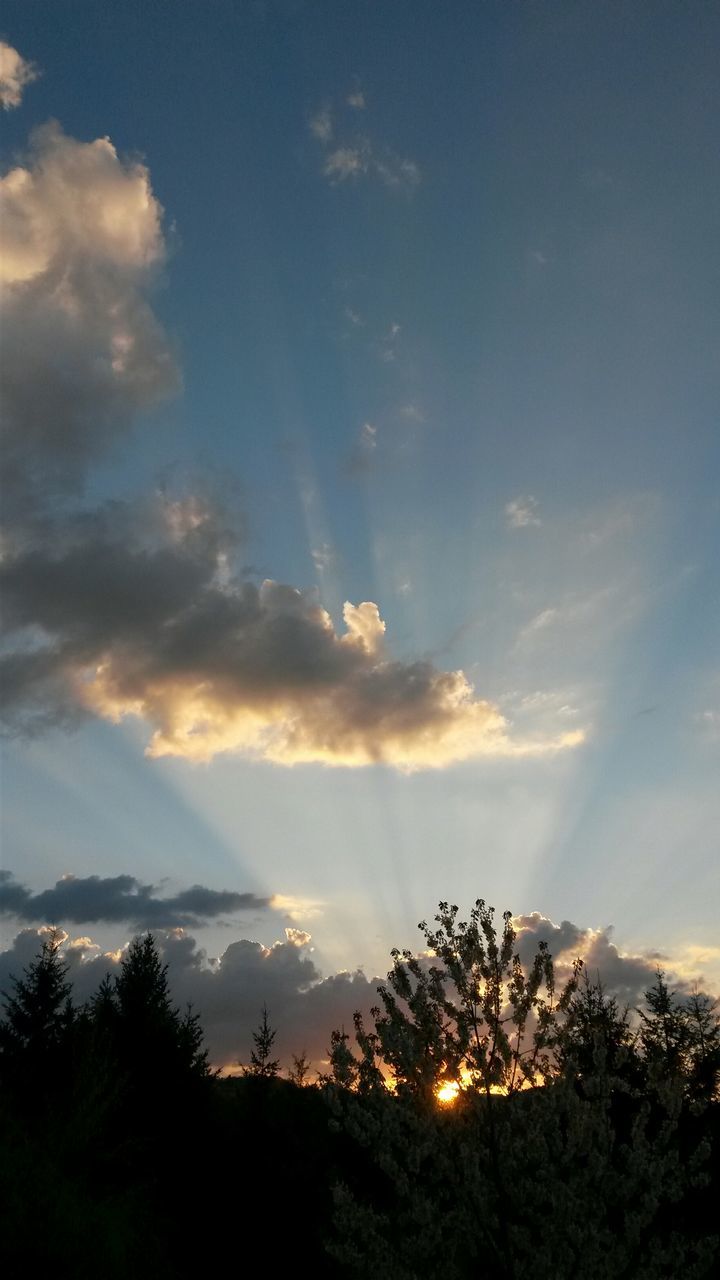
424,308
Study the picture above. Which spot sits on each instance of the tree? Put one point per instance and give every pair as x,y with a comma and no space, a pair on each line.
664,1030
300,1069
38,1020
477,1017
551,1161
261,1064
703,1035
147,1027
595,1036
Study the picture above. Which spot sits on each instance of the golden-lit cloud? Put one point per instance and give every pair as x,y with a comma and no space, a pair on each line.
278,682
137,608
15,74
80,238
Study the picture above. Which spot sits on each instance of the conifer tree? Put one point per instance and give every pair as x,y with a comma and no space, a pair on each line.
142,1020
38,1020
261,1064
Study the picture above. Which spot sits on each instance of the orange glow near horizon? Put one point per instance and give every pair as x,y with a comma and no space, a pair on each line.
447,1093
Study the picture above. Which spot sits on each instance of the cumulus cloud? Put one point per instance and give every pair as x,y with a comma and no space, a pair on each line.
522,513
137,608
90,899
80,237
623,975
15,74
229,991
121,628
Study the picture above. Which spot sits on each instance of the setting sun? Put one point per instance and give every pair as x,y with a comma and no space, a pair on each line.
447,1092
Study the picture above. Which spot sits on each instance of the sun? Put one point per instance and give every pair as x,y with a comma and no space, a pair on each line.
447,1093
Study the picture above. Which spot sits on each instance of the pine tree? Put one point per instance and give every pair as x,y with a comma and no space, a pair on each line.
146,1027
300,1068
261,1064
38,1020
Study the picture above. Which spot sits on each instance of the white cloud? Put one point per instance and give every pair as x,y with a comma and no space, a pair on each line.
15,74
356,100
298,937
321,125
357,156
80,235
521,513
347,162
297,909
323,557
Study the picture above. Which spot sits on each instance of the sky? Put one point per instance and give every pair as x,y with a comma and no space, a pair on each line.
360,519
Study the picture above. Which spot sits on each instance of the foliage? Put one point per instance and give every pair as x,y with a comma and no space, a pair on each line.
476,1017
261,1064
300,1069
38,1023
562,1155
577,1146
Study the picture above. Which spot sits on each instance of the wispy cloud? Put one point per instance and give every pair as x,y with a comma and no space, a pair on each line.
15,74
323,557
349,156
522,512
348,162
321,125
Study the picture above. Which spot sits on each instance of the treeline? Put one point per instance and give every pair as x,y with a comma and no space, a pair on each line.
488,1122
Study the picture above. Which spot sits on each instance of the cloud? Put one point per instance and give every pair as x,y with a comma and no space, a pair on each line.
321,125
304,1006
358,156
80,239
228,992
347,162
15,74
323,557
298,937
90,899
110,626
624,975
521,513
368,436
136,608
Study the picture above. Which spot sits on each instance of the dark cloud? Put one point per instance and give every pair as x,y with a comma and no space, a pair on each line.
625,976
303,1005
228,993
159,628
91,899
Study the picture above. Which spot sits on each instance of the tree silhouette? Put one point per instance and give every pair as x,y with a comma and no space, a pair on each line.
139,1013
261,1064
477,1015
38,1020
